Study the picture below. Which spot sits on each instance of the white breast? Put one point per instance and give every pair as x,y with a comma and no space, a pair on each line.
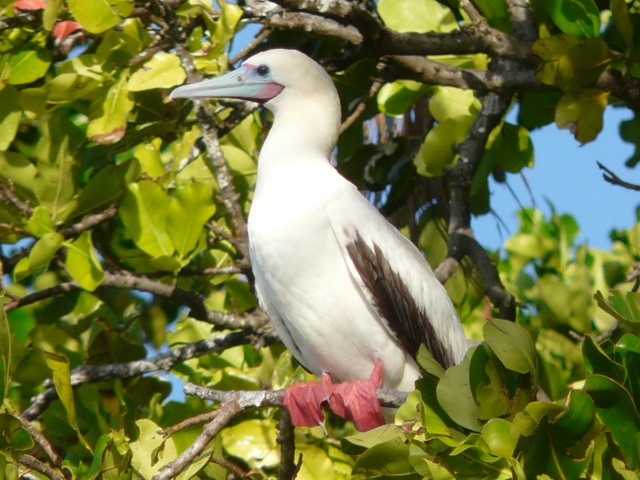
305,286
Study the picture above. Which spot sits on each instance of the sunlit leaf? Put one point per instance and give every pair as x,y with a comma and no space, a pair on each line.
163,70
83,264
581,113
59,366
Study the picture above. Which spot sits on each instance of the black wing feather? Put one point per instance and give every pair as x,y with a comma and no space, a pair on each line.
394,303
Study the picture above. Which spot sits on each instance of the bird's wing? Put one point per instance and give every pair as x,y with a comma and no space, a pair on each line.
396,280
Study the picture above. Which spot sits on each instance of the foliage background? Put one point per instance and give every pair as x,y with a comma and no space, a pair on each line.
124,252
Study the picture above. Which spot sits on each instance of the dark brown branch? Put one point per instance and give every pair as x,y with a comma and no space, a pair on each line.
251,46
226,413
34,297
472,11
286,440
39,438
461,245
614,179
429,71
189,422
359,110
28,18
8,192
40,467
89,222
91,373
215,159
522,20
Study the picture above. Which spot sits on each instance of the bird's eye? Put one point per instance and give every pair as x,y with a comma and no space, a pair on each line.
262,70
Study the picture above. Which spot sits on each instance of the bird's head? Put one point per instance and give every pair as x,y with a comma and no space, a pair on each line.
266,77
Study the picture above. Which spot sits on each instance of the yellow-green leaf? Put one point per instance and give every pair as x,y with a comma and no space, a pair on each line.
110,116
581,113
143,211
59,366
162,71
417,16
83,264
189,210
10,113
151,451
95,16
512,344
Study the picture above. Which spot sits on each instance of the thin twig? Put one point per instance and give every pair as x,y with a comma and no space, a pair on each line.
613,179
39,438
252,45
163,362
226,413
359,110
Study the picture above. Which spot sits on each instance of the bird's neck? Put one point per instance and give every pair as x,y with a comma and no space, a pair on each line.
304,131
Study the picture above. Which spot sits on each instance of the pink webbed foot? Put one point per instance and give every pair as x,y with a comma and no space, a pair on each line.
358,401
304,403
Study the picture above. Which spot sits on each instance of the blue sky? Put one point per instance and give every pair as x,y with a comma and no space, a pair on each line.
566,173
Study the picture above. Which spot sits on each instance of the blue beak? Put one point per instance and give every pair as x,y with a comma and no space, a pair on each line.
242,83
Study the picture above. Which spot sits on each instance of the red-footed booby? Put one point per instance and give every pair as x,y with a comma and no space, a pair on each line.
349,295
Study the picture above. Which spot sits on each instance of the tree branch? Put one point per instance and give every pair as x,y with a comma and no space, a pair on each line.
165,361
40,467
287,469
425,70
614,179
225,414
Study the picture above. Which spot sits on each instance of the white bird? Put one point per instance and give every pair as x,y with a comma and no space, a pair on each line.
349,295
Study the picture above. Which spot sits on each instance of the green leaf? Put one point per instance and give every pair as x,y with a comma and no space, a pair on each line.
83,264
151,451
618,412
10,114
163,70
13,437
496,13
95,16
390,458
512,344
40,222
436,152
50,14
191,207
110,115
107,186
571,64
624,307
622,20
416,16
580,18
143,210
57,173
599,362
254,441
31,61
455,396
538,109
497,434
5,355
397,97
581,113
44,250
67,87
511,149
59,366
20,169
451,103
